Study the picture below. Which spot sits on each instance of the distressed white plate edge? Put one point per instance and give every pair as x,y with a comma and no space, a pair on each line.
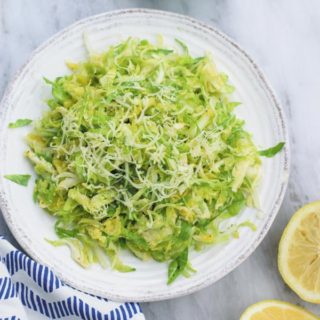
211,278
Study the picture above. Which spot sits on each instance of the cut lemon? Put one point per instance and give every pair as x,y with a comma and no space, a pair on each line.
299,253
276,310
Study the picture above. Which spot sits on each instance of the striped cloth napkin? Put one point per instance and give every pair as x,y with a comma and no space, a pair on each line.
30,291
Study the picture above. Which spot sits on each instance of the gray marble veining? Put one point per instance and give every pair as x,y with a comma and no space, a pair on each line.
283,37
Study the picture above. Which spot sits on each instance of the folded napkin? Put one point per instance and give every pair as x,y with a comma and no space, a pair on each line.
31,291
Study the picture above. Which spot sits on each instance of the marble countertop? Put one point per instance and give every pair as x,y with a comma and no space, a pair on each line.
283,37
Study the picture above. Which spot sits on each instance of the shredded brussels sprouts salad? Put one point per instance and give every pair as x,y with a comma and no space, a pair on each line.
141,149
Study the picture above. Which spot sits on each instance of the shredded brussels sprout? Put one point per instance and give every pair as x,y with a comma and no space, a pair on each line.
19,123
22,179
141,149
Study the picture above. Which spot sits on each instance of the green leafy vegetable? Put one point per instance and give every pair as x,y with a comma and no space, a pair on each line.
141,149
177,266
21,179
20,123
269,153
182,45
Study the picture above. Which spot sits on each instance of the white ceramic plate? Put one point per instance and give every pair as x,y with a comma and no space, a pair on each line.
25,98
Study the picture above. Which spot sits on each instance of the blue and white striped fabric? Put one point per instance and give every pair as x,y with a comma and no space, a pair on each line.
29,290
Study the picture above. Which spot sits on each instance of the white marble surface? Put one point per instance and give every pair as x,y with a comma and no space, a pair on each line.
283,37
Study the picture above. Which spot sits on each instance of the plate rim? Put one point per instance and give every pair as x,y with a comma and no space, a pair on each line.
280,114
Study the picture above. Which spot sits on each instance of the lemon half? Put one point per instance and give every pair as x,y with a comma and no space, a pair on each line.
276,310
299,253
